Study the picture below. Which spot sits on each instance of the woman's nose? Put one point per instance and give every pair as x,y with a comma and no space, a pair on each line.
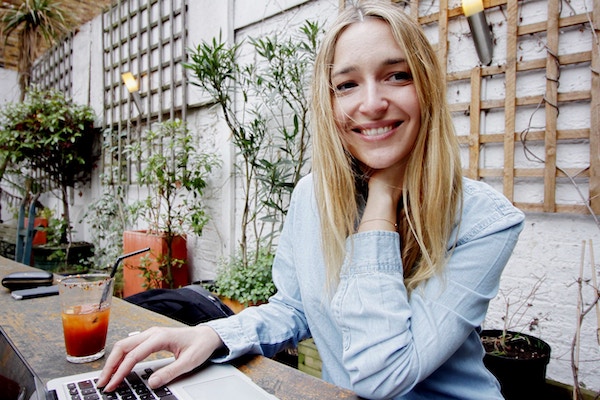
374,100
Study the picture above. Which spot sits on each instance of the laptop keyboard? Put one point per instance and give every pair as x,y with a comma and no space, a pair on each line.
134,387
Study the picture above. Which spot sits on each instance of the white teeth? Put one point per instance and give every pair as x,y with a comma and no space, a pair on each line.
376,131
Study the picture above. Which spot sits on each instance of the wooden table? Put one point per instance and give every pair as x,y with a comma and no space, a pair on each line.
35,326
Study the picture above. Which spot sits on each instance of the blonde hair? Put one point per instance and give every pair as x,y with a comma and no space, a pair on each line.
432,184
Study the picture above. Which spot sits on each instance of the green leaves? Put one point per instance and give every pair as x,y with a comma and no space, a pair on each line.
270,130
268,120
49,132
175,173
214,65
31,21
252,283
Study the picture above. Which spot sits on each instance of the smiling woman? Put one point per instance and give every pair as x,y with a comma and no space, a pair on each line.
407,252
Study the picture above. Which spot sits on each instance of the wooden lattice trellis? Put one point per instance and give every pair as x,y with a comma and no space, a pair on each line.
149,39
54,69
585,180
549,172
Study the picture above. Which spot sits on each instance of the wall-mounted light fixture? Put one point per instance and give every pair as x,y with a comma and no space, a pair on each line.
480,29
133,88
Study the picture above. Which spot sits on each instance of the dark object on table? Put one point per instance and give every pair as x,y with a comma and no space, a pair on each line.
33,293
27,280
190,304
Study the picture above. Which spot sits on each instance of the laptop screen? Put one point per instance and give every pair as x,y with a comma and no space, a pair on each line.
17,379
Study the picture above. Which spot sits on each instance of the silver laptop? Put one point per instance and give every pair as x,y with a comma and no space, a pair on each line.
214,382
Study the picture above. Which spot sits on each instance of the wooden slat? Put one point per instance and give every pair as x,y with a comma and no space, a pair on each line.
574,58
510,82
414,8
529,65
551,105
533,173
532,136
560,208
523,101
562,23
442,49
475,123
595,115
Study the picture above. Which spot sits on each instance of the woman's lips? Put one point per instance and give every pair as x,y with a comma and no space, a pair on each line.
377,130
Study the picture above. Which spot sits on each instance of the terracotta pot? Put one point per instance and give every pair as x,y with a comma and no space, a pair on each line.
133,280
39,237
235,305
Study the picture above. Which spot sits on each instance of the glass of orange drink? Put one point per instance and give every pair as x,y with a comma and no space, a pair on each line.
85,307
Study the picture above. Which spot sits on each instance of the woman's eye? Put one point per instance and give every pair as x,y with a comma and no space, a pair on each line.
401,77
344,86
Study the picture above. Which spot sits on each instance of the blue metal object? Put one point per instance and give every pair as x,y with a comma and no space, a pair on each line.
25,234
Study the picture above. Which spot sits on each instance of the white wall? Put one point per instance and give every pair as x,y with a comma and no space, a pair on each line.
9,86
550,248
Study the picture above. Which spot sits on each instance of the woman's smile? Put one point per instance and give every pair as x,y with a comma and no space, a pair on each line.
377,130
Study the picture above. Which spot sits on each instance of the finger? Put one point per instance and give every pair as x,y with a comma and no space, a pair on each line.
125,354
167,373
114,360
187,357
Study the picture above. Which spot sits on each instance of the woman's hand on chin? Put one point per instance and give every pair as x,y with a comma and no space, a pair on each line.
386,183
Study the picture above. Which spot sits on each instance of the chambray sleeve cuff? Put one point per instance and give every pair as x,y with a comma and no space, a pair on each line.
372,251
232,334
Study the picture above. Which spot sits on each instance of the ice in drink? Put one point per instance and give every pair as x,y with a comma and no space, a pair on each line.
85,329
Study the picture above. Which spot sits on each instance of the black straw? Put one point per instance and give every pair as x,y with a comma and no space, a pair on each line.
122,257
114,271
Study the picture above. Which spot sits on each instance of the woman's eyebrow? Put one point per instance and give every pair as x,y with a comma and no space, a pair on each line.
342,71
394,61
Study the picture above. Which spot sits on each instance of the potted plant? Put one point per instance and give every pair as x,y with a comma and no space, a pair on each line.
518,360
271,136
57,256
173,173
240,286
48,140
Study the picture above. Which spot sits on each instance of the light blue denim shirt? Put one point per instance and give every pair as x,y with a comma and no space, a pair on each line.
372,337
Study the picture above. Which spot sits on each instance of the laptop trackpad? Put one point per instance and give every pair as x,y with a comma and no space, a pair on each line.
224,388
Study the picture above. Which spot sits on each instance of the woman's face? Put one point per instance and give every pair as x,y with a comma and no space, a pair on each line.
375,101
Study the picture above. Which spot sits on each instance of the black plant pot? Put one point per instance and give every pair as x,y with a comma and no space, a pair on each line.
78,261
520,378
